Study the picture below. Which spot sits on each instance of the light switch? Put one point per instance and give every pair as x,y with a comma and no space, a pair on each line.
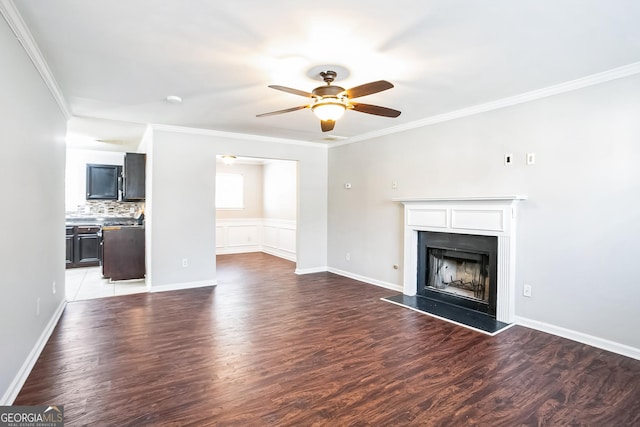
508,159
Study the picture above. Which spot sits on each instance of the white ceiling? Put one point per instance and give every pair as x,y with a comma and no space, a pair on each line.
119,59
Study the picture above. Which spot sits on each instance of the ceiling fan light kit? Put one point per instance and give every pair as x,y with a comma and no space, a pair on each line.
329,109
330,102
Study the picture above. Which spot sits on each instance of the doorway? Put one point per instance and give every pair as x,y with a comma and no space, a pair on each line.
256,206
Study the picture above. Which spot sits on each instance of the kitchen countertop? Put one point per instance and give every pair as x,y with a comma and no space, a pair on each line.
118,227
101,221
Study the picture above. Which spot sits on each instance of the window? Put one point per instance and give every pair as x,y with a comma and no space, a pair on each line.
229,191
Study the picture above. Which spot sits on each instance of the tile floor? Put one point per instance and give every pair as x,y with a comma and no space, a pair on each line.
87,283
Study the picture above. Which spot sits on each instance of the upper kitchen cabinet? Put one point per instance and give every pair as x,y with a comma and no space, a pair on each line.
102,181
134,173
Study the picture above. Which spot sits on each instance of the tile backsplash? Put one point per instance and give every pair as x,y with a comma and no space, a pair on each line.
109,208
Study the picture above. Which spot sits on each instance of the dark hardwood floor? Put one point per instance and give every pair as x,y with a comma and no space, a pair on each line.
268,347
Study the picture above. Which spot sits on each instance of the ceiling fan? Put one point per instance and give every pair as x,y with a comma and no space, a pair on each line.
330,102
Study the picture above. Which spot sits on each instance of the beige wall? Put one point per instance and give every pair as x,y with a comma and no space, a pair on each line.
253,183
270,190
280,190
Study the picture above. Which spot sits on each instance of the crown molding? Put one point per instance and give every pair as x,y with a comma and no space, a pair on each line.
232,135
22,33
594,79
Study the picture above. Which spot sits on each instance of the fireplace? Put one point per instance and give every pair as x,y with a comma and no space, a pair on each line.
491,217
458,269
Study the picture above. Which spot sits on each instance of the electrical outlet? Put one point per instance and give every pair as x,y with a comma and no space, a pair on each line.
348,256
526,290
38,307
54,287
394,185
185,262
347,186
132,210
395,266
531,158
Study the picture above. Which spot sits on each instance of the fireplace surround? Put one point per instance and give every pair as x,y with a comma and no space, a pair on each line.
482,216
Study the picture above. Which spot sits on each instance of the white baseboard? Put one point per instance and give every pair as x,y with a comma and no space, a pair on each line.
301,271
229,250
19,380
369,280
185,285
279,253
583,338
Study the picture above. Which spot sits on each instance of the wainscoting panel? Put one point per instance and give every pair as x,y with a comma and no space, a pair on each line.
221,237
273,236
242,235
270,236
279,238
238,236
288,240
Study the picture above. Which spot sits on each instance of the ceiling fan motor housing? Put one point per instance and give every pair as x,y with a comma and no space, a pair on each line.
324,91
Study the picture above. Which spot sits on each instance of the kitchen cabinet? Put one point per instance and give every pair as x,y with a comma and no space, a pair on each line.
82,246
69,244
134,176
103,181
123,252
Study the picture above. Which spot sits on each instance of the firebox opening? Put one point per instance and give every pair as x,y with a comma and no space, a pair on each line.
464,274
458,269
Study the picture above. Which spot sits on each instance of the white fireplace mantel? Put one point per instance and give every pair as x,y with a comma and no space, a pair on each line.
488,216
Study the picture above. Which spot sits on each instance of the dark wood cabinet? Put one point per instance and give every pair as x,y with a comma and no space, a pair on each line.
69,239
82,246
134,176
103,181
123,253
87,249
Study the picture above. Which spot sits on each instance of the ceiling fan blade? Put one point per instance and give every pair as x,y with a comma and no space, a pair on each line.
368,89
327,125
375,109
288,110
293,91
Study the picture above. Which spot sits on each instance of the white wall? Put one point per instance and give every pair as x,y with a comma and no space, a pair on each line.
179,212
280,189
181,207
146,146
577,233
32,214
